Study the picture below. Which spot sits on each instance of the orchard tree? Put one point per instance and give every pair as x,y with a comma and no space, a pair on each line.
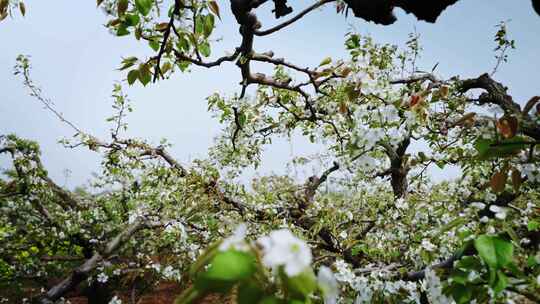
372,227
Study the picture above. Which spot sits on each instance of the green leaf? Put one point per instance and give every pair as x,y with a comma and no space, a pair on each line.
226,269
133,75
143,6
208,25
122,30
301,285
131,20
154,45
271,300
501,283
144,74
166,67
128,62
204,48
460,277
242,119
183,43
495,251
325,61
199,25
533,225
488,148
249,293
461,294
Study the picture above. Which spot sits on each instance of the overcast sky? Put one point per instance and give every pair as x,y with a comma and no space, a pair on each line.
75,59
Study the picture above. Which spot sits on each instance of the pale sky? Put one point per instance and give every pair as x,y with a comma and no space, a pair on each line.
75,59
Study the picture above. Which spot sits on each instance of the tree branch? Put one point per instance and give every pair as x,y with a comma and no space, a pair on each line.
293,19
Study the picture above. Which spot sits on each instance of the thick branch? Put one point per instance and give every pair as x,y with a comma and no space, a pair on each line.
84,270
495,93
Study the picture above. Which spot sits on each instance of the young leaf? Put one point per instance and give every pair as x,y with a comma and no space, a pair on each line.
204,48
325,61
131,20
507,126
144,74
128,62
516,179
122,7
161,27
22,8
214,8
133,75
343,108
122,30
345,71
154,45
208,25
143,6
498,180
166,67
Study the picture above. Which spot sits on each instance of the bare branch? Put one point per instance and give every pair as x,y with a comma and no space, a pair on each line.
293,19
182,57
417,78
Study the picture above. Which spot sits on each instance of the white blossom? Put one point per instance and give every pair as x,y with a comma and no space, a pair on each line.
478,205
282,248
236,240
176,227
102,277
427,245
328,284
115,300
401,203
433,288
500,212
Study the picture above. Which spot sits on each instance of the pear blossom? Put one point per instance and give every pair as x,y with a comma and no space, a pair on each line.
102,278
478,205
115,300
366,162
401,203
530,170
389,113
433,288
427,245
500,212
344,273
236,240
282,248
328,284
